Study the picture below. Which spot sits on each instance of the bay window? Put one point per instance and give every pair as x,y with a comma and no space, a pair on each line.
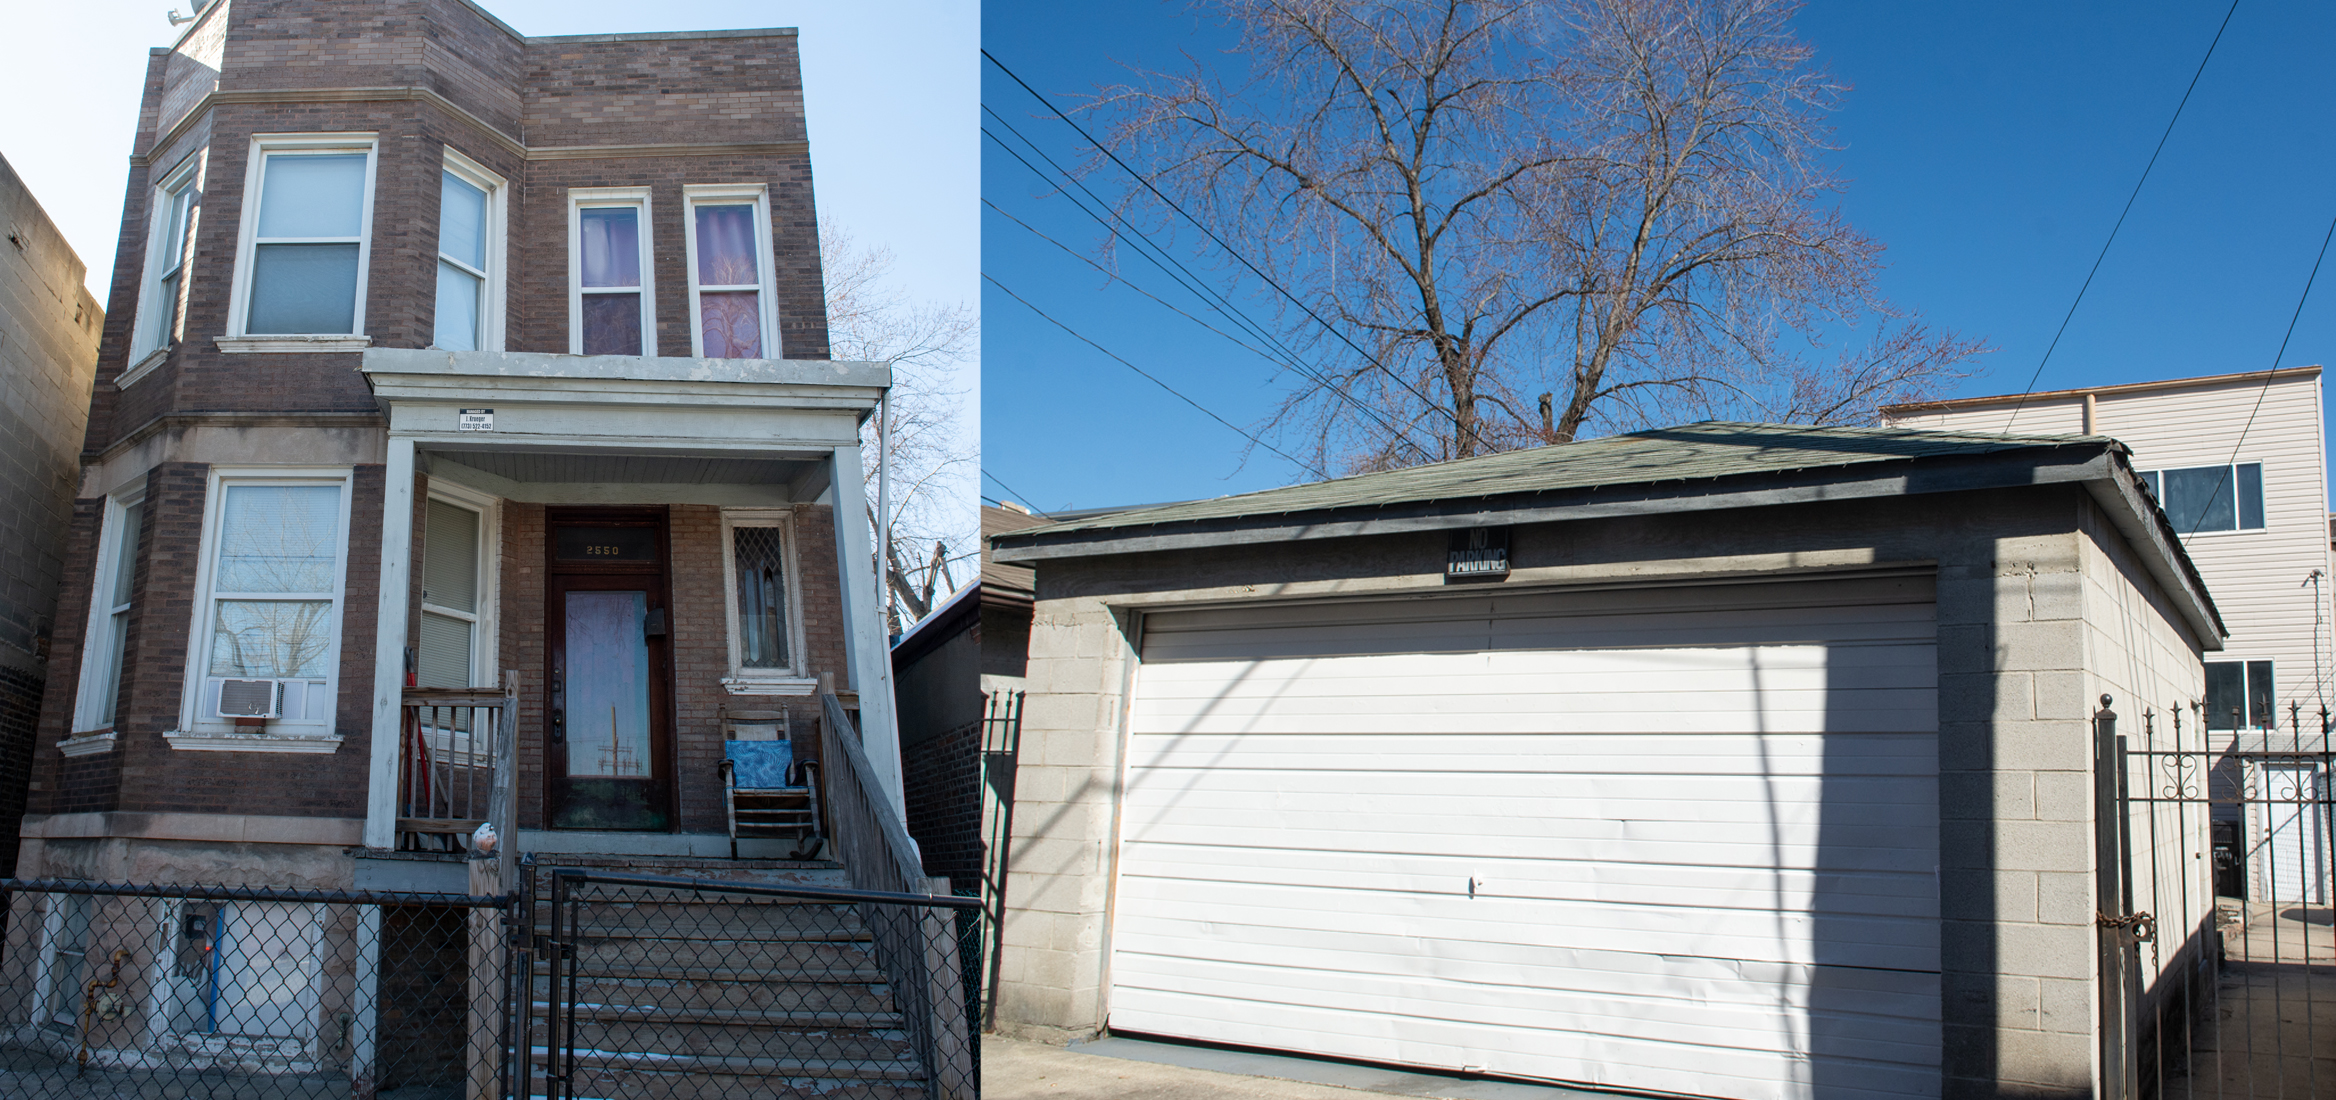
611,289
732,312
103,648
275,554
170,239
301,264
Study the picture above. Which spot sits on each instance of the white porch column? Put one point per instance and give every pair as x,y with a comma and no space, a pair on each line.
864,641
389,645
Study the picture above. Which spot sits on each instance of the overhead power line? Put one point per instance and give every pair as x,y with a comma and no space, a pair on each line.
1302,464
1229,250
1018,497
2104,253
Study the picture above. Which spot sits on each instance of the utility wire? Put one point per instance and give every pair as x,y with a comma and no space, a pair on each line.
1457,426
1019,498
1285,359
2104,254
1317,471
1177,273
2265,390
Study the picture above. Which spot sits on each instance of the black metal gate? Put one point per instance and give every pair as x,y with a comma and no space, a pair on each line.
2218,955
693,988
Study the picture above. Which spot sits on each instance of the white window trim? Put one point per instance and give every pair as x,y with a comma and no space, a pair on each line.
491,305
578,199
710,194
149,341
237,338
197,732
483,672
90,736
764,681
2215,532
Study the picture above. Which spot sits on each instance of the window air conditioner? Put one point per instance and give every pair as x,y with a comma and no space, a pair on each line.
251,699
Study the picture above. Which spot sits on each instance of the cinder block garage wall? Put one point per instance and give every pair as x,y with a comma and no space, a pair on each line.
2041,608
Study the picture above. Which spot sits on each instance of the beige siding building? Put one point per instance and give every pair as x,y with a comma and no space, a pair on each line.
2239,464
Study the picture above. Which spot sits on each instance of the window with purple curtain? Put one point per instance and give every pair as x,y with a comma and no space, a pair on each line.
729,281
609,247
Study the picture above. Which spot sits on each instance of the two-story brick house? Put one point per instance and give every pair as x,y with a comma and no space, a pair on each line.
437,351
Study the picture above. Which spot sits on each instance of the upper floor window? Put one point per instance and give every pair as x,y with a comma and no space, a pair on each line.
300,269
2210,498
170,238
470,247
2239,695
730,272
611,292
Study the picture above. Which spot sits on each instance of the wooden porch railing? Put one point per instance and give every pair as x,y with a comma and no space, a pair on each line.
456,765
922,958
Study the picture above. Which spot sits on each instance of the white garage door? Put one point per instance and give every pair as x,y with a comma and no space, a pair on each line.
1671,839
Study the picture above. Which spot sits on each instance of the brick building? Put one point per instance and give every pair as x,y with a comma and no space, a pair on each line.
48,346
438,352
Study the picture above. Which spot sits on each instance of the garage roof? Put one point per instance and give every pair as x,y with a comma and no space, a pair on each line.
1692,467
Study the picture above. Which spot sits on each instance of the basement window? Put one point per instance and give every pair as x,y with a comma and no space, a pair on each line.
2200,499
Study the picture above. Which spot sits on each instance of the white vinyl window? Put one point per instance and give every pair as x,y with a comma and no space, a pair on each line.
470,255
733,314
455,638
300,267
275,555
764,600
169,241
109,613
611,288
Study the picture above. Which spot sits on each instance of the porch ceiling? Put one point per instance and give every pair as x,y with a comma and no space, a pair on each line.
556,468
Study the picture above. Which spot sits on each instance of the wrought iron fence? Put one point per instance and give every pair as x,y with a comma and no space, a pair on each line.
111,990
2220,944
687,988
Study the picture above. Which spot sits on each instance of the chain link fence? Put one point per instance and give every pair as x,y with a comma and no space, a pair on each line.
110,990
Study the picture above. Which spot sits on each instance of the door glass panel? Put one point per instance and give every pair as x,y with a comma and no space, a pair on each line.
607,685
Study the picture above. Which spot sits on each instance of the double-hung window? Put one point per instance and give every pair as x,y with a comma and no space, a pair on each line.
766,641
274,559
611,291
454,634
730,296
307,206
470,248
170,239
109,614
2210,498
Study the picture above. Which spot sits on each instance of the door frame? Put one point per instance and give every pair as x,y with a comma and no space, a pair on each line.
657,579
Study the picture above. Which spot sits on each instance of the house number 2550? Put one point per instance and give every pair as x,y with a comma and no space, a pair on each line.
609,551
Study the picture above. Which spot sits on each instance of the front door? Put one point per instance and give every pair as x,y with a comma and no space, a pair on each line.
609,723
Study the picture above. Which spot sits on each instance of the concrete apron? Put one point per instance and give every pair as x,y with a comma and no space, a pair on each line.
1133,1069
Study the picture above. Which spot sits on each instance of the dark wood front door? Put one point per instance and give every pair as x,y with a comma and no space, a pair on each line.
609,729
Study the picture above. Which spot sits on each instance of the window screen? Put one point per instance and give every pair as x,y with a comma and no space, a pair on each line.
762,597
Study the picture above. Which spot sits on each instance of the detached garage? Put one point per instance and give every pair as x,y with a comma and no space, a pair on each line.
1727,760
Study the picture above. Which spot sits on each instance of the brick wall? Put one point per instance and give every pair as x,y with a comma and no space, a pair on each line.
943,786
521,646
20,703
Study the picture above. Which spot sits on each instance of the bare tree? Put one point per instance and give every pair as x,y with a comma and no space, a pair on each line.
935,524
1509,222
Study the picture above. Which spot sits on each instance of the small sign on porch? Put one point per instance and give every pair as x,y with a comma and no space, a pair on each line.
475,420
1478,554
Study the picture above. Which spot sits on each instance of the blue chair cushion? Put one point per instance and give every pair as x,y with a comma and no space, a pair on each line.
758,765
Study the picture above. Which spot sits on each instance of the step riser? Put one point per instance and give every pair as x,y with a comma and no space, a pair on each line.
743,1042
769,1000
661,1086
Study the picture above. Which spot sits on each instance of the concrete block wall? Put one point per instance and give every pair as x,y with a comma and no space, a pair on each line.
2026,595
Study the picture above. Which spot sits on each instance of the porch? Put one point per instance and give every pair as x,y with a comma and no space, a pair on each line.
605,565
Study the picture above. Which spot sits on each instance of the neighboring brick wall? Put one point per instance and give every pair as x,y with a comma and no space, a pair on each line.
943,786
20,704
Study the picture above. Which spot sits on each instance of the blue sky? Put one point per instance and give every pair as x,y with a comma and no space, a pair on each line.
1989,146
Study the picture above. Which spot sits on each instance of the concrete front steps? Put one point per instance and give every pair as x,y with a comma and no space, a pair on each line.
688,996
